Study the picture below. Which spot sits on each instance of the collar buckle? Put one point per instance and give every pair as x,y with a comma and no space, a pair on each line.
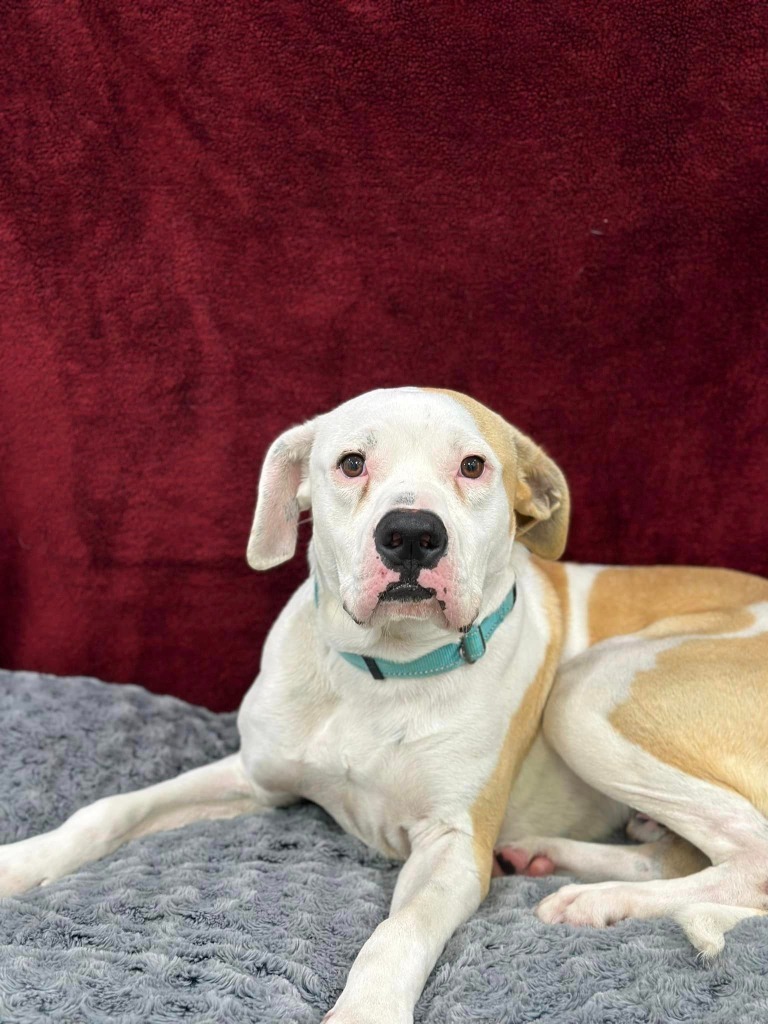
473,646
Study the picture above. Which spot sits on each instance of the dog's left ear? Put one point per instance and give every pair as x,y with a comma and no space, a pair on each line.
542,501
283,494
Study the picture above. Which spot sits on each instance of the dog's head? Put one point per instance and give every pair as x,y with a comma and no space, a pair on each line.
417,496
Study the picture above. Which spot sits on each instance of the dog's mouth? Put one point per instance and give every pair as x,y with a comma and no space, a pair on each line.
405,591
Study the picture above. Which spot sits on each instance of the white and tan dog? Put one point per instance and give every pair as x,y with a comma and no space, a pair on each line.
446,690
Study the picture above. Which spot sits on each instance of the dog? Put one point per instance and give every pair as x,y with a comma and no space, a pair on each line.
460,700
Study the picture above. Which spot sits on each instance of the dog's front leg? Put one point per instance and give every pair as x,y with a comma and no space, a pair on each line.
218,790
439,887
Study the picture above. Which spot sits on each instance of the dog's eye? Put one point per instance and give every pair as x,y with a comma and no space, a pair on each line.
472,466
352,465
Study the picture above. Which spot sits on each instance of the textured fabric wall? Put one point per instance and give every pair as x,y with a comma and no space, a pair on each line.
218,219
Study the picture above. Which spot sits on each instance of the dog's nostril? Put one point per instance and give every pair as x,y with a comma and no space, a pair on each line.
426,540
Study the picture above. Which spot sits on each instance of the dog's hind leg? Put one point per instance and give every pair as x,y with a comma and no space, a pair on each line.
706,903
537,856
630,745
218,790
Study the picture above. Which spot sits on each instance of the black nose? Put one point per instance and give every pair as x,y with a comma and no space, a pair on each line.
410,540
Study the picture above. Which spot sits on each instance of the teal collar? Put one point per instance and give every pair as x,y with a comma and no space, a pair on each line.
471,649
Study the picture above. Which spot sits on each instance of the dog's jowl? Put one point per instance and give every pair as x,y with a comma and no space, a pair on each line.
459,699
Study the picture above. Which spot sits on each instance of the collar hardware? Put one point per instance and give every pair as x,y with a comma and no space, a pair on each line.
373,668
473,646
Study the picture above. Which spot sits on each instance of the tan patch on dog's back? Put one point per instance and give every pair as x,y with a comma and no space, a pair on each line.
490,806
727,620
703,708
625,600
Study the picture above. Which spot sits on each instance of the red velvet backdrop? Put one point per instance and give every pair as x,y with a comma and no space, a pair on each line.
220,218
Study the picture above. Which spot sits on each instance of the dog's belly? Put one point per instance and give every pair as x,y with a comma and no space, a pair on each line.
547,798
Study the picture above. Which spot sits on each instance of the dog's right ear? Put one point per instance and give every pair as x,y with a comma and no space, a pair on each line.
283,494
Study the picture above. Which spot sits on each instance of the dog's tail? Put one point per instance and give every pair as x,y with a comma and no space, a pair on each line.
705,924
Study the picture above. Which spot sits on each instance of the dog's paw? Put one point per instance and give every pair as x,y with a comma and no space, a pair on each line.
595,906
363,1016
26,865
529,856
643,829
371,1011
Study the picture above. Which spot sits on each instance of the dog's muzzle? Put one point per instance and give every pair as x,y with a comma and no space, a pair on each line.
407,542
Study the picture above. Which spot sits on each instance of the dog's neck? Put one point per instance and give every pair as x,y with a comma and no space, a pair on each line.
402,639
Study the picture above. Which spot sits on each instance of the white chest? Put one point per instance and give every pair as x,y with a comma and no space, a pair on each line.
380,769
362,779
384,759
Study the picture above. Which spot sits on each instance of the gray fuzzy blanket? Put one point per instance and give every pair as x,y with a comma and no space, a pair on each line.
258,919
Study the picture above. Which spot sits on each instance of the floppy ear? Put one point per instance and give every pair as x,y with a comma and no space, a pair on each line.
535,486
283,493
542,502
